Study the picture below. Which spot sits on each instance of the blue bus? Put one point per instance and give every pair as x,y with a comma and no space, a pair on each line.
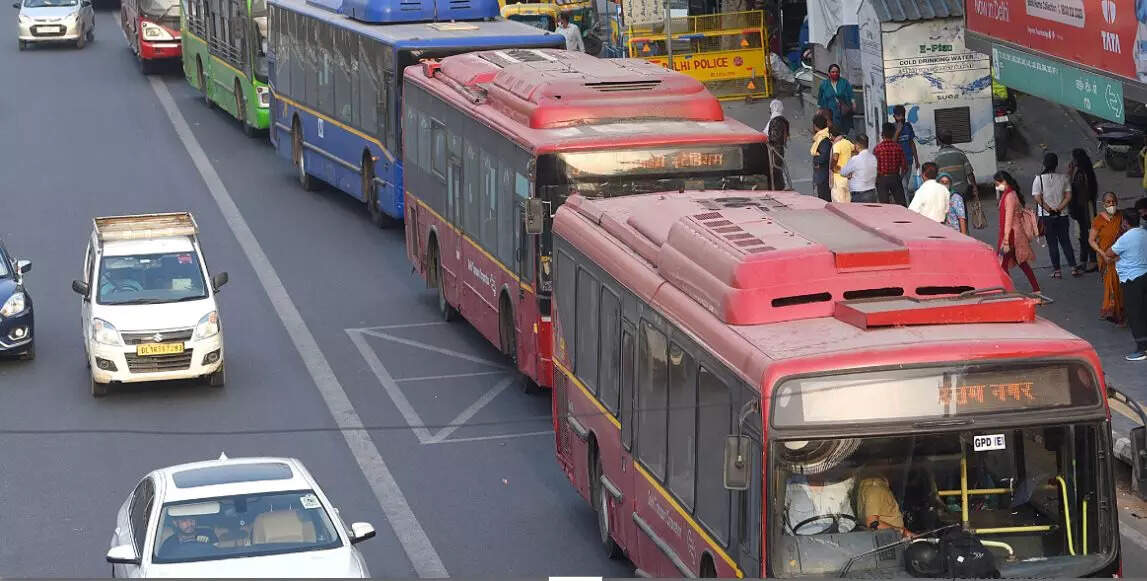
336,83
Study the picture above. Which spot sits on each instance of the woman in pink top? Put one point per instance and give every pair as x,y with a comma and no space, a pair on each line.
1013,243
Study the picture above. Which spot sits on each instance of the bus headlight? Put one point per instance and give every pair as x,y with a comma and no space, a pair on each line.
154,32
264,94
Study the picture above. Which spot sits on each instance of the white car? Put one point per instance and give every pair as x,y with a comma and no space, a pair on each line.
234,517
148,312
55,21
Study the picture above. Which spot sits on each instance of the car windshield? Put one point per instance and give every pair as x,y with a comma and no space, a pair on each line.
1030,496
150,279
49,3
249,525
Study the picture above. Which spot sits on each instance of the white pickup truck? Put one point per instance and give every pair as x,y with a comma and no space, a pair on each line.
149,313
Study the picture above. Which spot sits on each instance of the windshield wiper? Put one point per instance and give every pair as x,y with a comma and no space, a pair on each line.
191,298
851,561
141,302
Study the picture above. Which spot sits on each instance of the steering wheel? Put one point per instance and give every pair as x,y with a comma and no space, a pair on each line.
835,516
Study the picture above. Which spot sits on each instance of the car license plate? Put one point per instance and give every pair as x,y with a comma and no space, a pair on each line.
1001,118
158,349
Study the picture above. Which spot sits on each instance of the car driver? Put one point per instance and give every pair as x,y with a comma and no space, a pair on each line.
187,531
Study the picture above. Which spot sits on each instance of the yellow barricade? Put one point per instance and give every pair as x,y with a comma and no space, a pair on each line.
726,51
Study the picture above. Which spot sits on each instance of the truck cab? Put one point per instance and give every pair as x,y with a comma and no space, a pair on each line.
148,309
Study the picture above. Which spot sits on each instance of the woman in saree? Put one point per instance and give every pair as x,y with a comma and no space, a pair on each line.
1105,230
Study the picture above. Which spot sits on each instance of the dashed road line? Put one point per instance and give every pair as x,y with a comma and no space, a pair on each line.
406,526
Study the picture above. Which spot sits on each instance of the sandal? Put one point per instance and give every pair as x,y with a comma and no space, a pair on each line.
1076,271
1057,274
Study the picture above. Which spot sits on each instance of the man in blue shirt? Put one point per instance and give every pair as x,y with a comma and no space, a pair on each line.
906,137
1130,255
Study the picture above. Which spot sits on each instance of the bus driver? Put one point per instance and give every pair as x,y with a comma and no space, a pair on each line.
818,504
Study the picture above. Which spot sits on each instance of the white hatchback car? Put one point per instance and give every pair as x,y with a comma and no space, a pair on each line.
241,517
55,21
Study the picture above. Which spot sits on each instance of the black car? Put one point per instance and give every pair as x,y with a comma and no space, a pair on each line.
16,325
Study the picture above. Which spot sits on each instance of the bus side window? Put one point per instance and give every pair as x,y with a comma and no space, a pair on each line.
367,83
506,224
586,367
610,357
627,376
714,424
652,399
682,423
391,106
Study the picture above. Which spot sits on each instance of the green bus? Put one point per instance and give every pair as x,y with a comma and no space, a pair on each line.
225,57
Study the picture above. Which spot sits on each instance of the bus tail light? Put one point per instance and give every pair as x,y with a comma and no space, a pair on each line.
264,94
154,33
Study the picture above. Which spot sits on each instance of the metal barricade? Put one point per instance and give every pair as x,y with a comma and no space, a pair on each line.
726,51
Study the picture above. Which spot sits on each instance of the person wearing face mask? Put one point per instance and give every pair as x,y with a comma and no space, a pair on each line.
1129,253
1013,242
836,96
1052,193
1105,230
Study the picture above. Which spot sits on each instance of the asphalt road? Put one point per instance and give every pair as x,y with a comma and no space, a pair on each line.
86,135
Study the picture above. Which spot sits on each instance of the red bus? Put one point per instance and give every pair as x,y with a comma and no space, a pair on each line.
151,29
762,384
495,137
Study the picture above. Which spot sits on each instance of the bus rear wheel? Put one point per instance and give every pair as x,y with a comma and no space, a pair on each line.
370,192
508,332
600,500
202,80
307,182
448,312
241,110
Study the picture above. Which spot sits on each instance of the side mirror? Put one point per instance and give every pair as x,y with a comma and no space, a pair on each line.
15,4
81,288
535,215
123,555
219,280
361,531
737,462
23,266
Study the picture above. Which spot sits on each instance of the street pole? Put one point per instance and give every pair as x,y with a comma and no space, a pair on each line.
669,33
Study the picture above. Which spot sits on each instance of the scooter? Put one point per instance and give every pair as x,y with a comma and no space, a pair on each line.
1005,129
1120,146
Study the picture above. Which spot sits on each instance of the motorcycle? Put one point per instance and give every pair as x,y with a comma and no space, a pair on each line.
1005,124
1120,146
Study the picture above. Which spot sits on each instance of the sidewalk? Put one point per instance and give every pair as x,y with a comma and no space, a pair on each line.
1043,127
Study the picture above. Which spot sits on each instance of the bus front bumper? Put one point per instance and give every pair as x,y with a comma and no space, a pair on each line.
160,50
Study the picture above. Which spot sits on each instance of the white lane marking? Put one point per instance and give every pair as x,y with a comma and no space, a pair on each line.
450,376
390,386
406,527
408,325
412,343
494,437
1134,536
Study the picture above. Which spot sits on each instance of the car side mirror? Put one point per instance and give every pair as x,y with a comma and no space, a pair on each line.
737,462
535,215
81,288
361,531
15,4
219,280
23,266
123,555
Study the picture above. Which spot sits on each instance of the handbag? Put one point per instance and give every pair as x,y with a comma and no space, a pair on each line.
976,212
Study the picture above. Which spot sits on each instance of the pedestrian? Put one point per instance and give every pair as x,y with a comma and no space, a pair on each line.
1084,194
931,198
906,137
957,216
836,96
1052,194
954,162
861,173
571,32
821,158
1105,230
891,166
777,131
1141,207
841,152
1129,253
1013,241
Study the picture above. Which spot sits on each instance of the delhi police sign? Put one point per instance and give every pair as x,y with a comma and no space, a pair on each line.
1093,94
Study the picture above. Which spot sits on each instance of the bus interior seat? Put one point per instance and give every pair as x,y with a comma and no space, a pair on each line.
282,526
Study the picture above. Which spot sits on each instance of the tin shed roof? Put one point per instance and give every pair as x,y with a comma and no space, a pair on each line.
912,10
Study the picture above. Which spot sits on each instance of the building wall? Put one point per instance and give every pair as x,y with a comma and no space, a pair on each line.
872,72
928,68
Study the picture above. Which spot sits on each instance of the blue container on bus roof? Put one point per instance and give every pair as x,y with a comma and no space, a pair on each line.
394,11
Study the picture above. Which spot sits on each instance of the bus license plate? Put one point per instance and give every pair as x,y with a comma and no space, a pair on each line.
158,349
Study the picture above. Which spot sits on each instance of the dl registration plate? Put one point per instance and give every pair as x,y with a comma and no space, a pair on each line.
158,349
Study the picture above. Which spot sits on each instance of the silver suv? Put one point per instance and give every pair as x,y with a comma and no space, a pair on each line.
56,21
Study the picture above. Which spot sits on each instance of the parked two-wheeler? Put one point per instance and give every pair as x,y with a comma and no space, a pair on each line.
1004,112
1120,146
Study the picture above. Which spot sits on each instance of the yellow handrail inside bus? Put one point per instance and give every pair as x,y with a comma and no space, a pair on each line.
1085,526
1066,514
964,487
1001,545
1004,530
975,491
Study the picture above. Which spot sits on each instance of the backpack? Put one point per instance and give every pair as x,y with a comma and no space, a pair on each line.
965,557
1029,224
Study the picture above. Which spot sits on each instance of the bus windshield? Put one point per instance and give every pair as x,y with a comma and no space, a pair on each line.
624,172
1032,497
165,12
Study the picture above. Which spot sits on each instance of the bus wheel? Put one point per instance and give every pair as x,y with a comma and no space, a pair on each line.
448,312
202,79
601,503
508,332
144,66
241,110
308,183
370,192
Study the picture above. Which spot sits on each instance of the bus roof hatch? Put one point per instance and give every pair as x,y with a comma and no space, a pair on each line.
990,305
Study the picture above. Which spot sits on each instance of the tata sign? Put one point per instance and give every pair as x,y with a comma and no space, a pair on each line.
1105,35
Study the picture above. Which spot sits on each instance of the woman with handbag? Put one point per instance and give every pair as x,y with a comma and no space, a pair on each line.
1016,228
836,96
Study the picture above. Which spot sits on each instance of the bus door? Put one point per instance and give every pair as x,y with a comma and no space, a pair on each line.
625,472
749,504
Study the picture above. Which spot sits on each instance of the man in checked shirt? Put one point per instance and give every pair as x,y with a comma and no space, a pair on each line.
891,165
